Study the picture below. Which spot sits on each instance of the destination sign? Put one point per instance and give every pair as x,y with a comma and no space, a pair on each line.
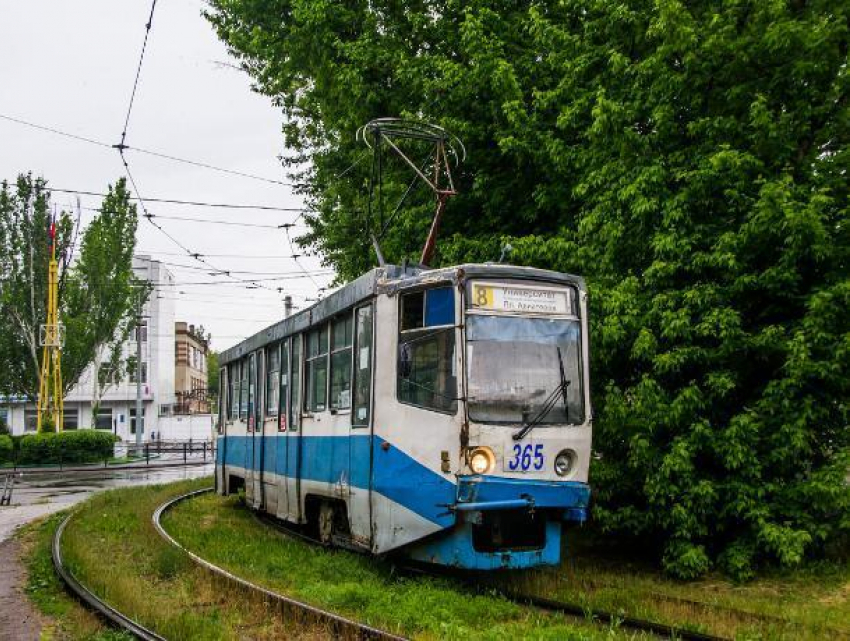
521,298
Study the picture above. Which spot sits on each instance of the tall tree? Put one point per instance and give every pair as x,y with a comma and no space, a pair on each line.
98,291
690,159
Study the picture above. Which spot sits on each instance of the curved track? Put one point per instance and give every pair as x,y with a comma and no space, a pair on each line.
541,603
341,626
86,596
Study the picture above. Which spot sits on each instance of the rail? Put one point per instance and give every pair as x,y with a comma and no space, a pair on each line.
339,624
90,599
573,609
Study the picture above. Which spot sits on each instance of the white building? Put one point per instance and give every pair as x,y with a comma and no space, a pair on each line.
117,406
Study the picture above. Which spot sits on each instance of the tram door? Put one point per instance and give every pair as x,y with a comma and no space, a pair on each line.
360,441
289,458
268,447
252,480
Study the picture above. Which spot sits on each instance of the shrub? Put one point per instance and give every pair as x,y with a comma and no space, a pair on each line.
79,446
6,448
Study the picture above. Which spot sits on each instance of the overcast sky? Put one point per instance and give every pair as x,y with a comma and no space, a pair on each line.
71,66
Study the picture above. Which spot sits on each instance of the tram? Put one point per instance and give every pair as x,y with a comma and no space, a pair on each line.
439,414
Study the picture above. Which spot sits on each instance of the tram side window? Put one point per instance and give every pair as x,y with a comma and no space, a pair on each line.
362,367
272,373
252,377
222,398
295,384
341,335
243,390
426,357
316,362
233,391
284,385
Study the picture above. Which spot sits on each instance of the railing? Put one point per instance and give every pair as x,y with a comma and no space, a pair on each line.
149,454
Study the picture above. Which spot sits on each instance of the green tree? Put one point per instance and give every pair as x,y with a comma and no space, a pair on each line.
212,372
690,160
97,292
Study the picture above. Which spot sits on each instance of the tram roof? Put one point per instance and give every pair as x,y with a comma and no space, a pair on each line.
386,279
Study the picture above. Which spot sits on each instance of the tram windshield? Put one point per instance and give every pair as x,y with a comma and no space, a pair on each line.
517,367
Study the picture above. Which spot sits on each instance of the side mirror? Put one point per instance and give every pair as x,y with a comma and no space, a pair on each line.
405,361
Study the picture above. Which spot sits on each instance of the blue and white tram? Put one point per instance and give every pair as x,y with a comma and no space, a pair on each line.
441,414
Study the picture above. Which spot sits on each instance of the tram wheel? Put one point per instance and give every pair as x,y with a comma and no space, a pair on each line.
326,522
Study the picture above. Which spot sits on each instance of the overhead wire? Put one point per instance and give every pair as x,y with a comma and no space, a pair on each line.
207,221
138,75
121,147
175,201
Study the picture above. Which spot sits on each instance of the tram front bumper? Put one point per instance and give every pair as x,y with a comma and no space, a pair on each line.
488,493
505,523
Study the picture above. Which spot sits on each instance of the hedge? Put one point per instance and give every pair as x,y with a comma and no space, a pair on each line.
6,448
79,446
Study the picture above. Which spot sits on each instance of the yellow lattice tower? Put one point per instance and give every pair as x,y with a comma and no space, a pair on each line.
50,397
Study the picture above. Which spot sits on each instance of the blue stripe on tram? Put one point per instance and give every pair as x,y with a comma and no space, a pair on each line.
325,459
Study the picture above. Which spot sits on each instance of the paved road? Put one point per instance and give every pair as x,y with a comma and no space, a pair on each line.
36,495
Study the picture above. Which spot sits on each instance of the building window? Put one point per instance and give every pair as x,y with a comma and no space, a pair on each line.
133,420
103,418
70,419
341,334
131,370
141,332
30,420
426,355
272,384
4,420
316,363
107,375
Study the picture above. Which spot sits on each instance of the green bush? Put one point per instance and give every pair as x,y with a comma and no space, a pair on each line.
6,448
79,446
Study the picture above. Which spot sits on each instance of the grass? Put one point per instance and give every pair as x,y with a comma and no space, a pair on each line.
221,530
112,548
808,603
63,617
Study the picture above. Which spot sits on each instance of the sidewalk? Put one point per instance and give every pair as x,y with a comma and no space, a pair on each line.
18,619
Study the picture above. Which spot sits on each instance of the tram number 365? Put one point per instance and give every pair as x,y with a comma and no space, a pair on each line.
526,457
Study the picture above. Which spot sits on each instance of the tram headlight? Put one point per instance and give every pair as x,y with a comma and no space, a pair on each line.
481,460
564,462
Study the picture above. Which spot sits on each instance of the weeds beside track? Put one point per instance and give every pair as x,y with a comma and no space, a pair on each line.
339,625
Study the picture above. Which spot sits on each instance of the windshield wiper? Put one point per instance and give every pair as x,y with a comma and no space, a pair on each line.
549,403
564,384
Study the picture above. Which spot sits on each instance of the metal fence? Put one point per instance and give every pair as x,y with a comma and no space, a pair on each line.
150,454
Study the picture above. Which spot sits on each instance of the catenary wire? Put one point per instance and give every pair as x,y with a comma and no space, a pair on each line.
138,75
206,221
176,201
122,146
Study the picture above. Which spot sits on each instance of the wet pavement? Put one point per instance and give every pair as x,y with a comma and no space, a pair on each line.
38,494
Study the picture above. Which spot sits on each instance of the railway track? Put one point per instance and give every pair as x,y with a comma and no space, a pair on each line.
340,626
541,603
95,603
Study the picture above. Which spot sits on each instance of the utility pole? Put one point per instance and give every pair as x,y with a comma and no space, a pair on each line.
139,417
287,306
50,394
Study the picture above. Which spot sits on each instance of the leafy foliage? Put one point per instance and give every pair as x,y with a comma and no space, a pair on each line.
76,446
6,448
689,159
97,292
